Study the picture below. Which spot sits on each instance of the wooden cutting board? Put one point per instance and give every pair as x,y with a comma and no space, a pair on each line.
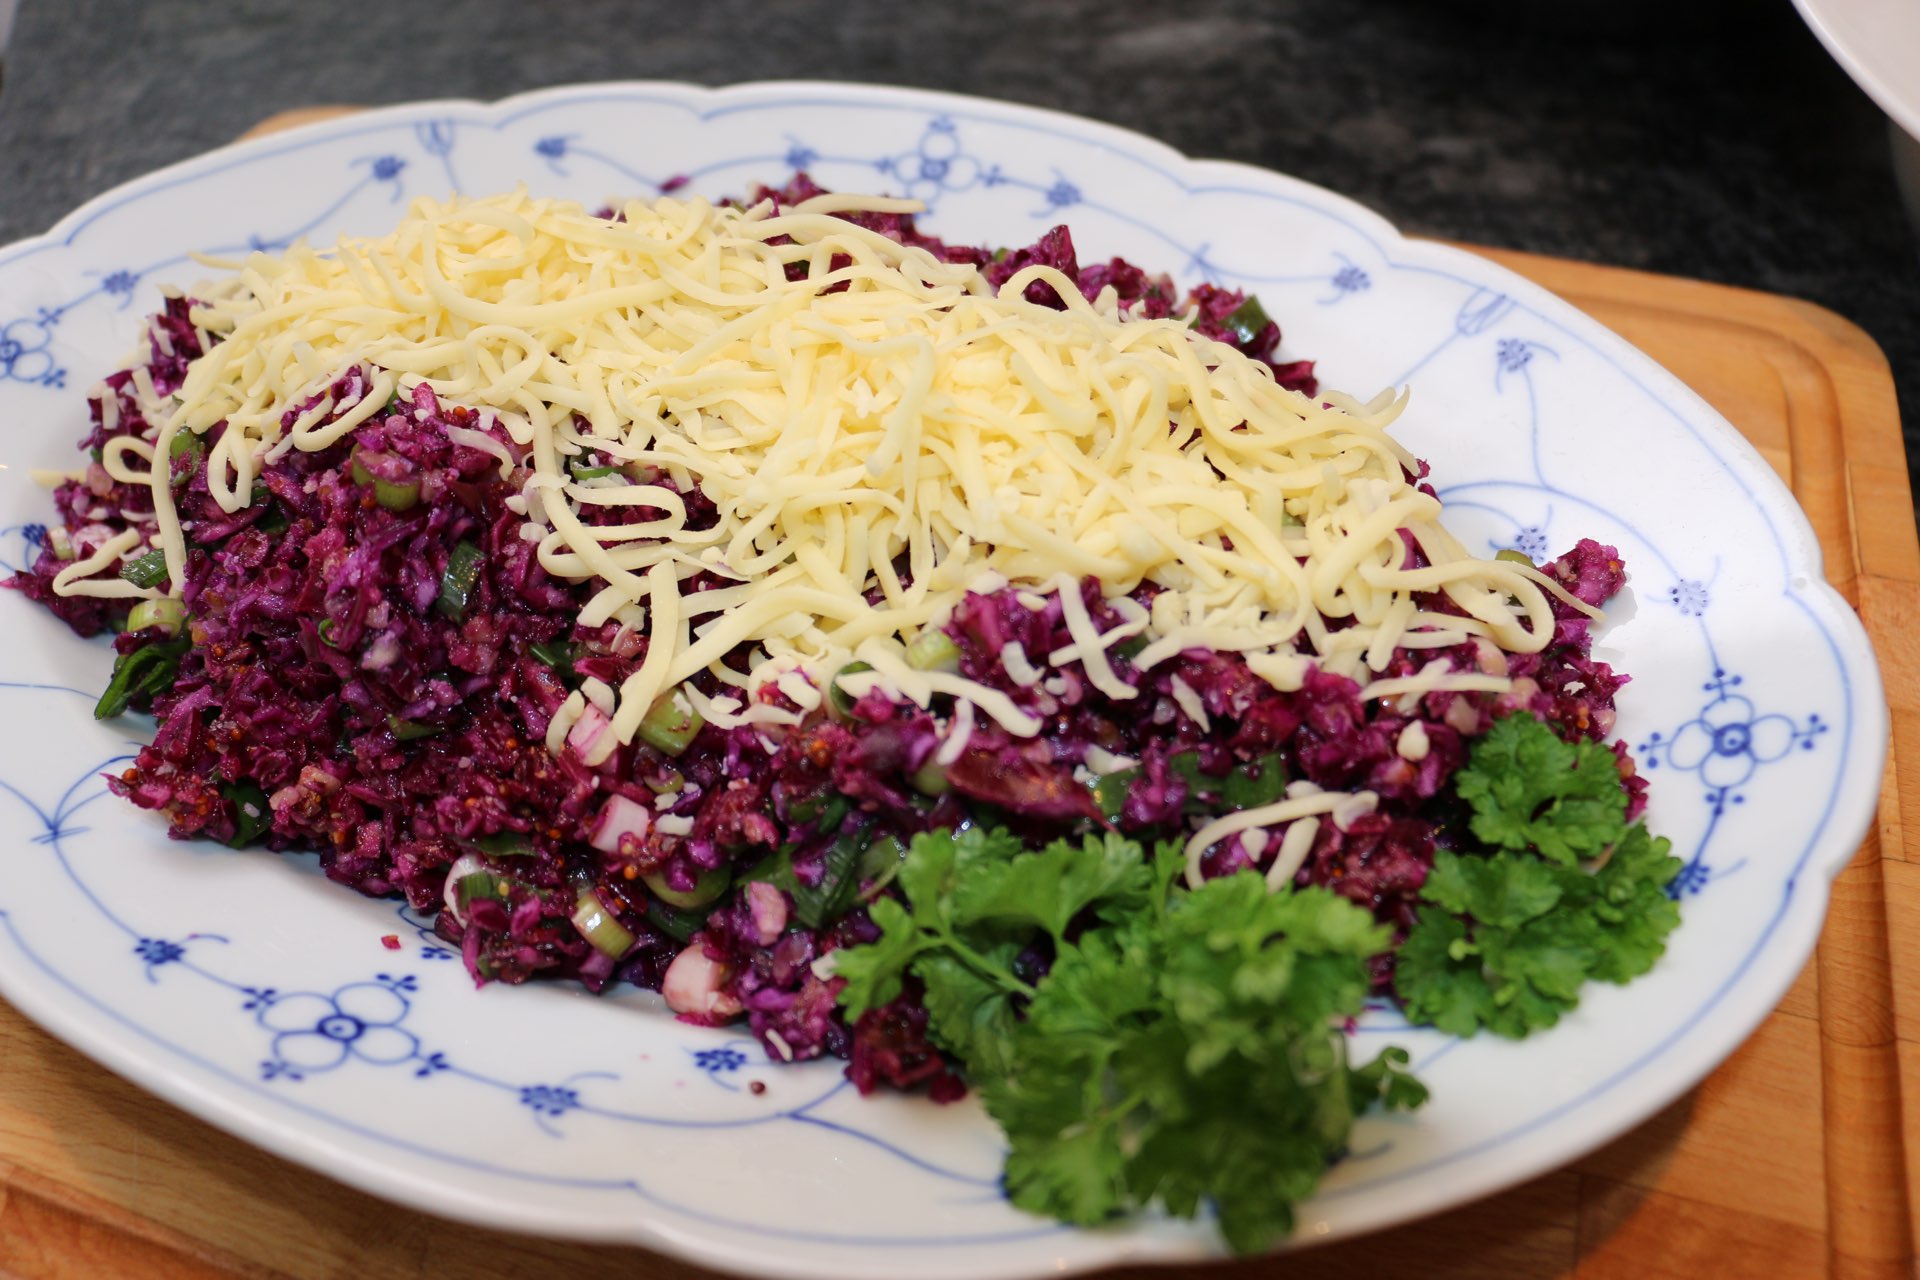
1788,1161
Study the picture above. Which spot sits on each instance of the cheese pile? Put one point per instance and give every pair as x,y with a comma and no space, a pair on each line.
879,434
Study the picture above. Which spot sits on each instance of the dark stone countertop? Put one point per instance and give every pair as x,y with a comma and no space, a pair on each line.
1710,138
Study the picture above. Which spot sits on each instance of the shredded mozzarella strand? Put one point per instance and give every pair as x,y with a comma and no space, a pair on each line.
78,579
877,435
1338,803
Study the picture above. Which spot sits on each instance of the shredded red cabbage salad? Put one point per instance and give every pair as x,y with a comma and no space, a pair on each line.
370,657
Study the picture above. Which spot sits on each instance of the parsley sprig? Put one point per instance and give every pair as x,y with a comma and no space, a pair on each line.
1183,1048
1564,892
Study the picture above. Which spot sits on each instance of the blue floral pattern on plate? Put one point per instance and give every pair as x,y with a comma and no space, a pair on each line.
249,991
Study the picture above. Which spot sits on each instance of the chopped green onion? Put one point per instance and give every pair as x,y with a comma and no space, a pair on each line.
805,809
707,888
252,816
504,844
678,924
149,570
1131,647
671,724
593,473
326,633
880,861
1110,792
667,782
825,810
1513,556
839,701
827,899
1187,765
186,444
60,543
930,779
148,670
1251,785
1288,520
933,650
408,730
600,926
482,884
395,496
557,654
166,613
456,584
1248,319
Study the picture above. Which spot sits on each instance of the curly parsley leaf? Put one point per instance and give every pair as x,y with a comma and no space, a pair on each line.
1628,896
1050,888
1531,789
1195,1061
874,972
971,1013
1511,934
973,899
1183,1047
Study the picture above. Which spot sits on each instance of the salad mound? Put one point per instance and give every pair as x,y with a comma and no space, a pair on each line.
1074,842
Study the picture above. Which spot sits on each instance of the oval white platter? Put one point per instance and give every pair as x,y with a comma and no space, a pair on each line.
253,993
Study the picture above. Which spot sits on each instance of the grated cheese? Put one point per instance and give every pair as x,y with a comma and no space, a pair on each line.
873,451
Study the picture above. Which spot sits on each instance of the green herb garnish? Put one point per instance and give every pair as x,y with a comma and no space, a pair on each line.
1565,891
1183,1047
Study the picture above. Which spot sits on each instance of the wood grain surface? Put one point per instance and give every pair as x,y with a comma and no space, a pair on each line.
1793,1159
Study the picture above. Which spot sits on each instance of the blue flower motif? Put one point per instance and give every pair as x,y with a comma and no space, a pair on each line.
1531,542
120,284
1351,279
318,1033
936,166
1062,193
717,1061
552,147
156,952
799,155
1729,740
387,168
159,951
1514,355
35,534
549,1099
24,354
1689,596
